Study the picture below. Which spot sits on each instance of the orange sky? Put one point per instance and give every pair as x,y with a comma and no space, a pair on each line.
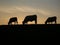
21,8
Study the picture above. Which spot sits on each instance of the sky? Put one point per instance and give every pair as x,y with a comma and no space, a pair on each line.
22,8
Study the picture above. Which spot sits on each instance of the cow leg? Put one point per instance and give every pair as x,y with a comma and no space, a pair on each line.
55,22
35,21
45,22
23,22
9,23
17,22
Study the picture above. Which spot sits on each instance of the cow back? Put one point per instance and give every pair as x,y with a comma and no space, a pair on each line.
30,18
13,19
50,19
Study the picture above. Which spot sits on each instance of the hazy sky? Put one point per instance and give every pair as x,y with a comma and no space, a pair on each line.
21,8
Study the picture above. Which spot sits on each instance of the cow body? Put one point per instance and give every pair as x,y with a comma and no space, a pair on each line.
30,18
51,19
13,19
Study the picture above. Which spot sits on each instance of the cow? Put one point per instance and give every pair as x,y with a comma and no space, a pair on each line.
30,18
51,19
13,19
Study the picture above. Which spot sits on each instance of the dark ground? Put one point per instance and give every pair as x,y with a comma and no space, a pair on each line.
29,31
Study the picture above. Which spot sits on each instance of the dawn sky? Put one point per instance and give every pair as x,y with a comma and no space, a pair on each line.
21,8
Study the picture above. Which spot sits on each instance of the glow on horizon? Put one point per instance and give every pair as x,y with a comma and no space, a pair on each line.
21,13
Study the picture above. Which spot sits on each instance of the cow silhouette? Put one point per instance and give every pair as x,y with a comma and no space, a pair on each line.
13,19
51,19
30,18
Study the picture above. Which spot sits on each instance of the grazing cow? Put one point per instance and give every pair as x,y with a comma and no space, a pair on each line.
13,19
30,18
51,19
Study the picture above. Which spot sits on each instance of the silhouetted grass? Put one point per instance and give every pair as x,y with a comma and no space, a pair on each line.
38,30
